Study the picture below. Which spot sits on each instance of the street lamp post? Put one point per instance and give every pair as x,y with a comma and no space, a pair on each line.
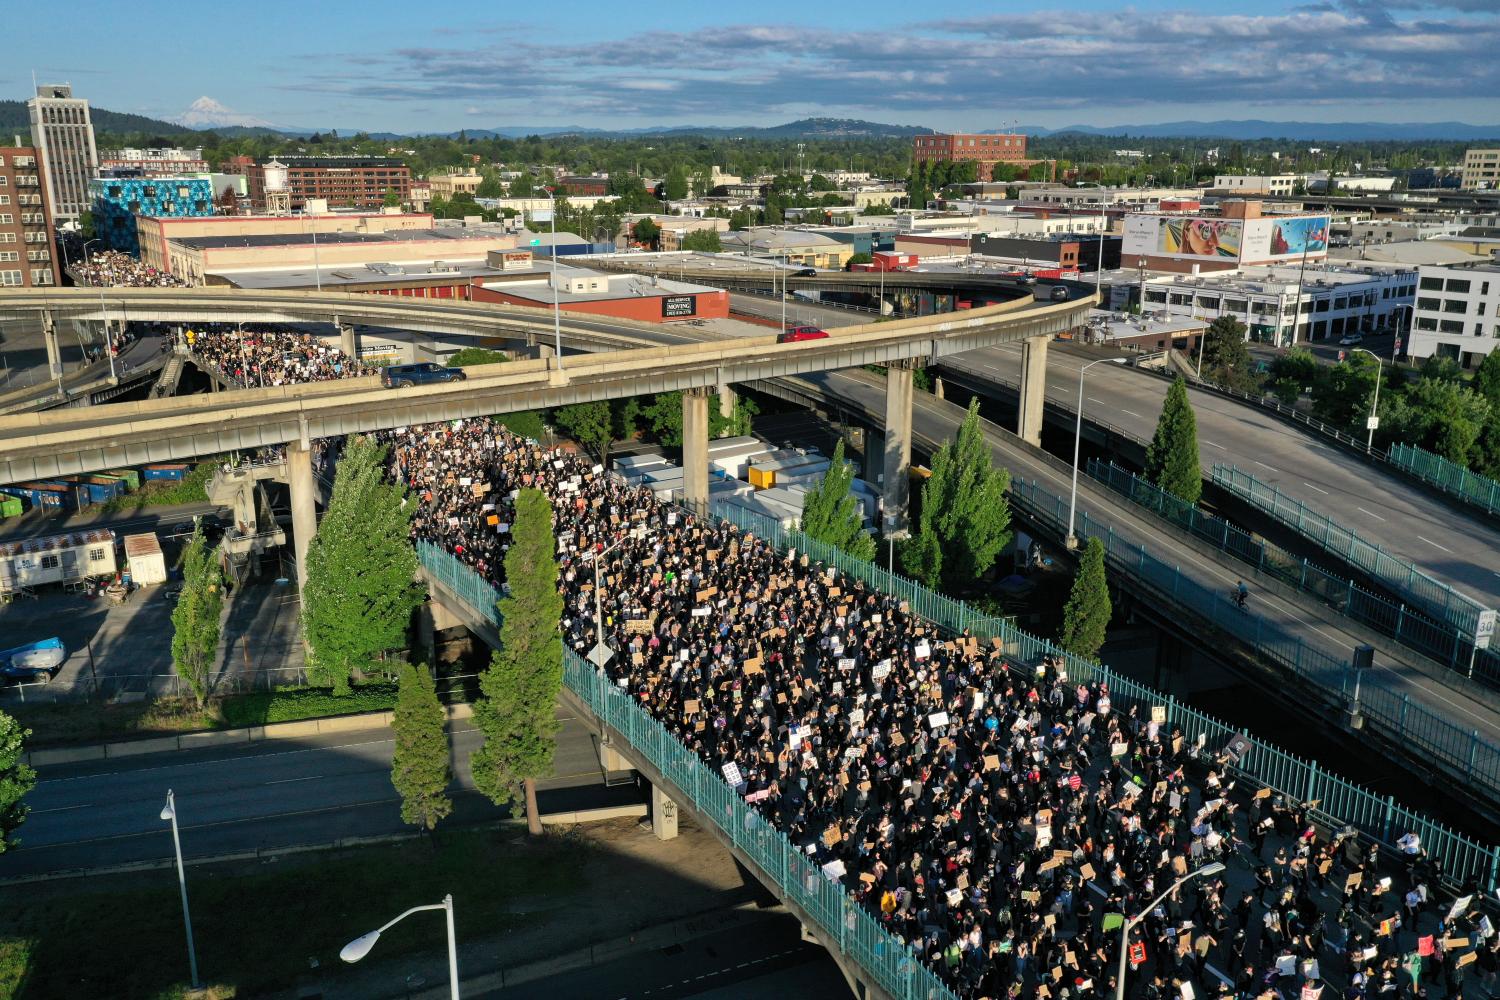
1072,539
360,946
1374,420
1099,264
1212,868
556,307
169,812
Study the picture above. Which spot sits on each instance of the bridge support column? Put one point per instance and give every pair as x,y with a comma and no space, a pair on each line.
937,386
54,353
695,448
612,761
663,815
348,341
726,404
897,486
304,489
1033,390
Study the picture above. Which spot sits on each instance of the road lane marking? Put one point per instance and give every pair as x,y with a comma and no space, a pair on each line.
60,809
1379,518
1318,488
287,781
1263,465
1095,399
1131,412
1435,544
1213,444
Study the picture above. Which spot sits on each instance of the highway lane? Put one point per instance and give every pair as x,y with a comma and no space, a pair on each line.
935,420
1380,507
139,353
266,796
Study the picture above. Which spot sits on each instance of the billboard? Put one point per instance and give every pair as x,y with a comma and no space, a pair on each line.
1271,239
674,306
1187,237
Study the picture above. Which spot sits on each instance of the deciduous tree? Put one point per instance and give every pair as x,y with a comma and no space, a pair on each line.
519,689
1172,456
16,779
196,618
1086,615
590,424
419,766
831,512
361,583
703,241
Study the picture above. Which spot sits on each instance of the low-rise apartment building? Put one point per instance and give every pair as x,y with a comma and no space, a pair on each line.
26,256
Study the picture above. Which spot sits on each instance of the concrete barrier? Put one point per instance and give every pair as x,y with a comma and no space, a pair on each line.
593,815
65,755
290,730
219,738
136,747
351,723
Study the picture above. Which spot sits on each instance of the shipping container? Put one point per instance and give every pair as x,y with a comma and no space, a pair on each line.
800,468
166,471
733,456
761,472
95,488
148,566
68,558
46,495
132,478
11,506
122,484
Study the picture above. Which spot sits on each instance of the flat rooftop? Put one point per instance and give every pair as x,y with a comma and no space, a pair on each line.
621,286
330,239
356,275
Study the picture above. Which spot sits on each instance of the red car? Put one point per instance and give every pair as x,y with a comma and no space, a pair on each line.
798,333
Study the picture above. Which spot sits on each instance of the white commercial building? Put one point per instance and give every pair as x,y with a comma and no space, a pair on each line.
63,135
1329,303
1457,313
1105,197
1262,184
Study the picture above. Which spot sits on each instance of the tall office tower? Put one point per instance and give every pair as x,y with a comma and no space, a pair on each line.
64,138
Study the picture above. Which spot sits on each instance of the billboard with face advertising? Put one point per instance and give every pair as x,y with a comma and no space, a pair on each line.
1279,239
1187,237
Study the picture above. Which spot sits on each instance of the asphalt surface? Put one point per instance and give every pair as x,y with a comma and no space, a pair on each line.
145,350
765,959
1379,507
264,796
934,420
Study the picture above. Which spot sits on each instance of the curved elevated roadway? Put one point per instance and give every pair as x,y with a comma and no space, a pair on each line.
39,445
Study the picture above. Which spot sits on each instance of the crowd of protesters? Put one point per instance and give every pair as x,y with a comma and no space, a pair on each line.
993,814
116,269
265,357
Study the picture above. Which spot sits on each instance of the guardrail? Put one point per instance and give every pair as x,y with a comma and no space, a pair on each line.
1462,752
1340,802
1439,641
1453,479
1439,598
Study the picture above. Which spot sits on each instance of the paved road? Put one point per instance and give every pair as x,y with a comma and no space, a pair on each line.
799,312
1380,507
261,796
766,959
937,420
138,354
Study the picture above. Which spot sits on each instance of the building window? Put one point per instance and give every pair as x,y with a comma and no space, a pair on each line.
11,278
1429,305
1341,303
1322,305
1459,285
1432,284
96,555
49,562
1455,306
1451,326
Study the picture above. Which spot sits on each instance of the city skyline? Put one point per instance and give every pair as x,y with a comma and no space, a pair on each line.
1100,64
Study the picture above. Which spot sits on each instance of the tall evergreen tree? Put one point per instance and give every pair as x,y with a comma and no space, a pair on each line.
195,619
361,586
519,690
1226,358
1087,613
1172,456
965,519
16,779
831,513
419,767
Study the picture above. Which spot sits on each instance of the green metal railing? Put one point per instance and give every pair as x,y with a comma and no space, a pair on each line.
1438,598
1410,626
1463,753
1340,802
1451,478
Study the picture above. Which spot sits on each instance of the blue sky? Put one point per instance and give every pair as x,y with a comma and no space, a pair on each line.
400,66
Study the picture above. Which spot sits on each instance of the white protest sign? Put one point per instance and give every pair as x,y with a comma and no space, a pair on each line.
732,773
937,719
923,650
880,670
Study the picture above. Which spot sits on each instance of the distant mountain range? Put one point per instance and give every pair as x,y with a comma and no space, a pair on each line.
207,114
1251,129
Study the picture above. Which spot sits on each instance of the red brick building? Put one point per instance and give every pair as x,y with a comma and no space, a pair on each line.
582,187
27,259
988,150
345,181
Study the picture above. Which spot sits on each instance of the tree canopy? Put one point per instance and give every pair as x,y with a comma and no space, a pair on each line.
830,512
1172,456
